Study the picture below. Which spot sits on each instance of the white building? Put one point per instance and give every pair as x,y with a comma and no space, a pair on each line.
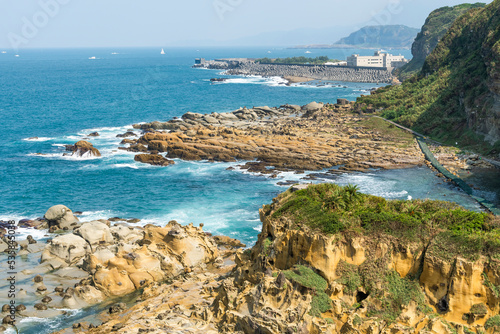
379,59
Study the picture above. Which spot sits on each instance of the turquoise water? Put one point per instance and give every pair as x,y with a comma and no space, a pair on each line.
60,96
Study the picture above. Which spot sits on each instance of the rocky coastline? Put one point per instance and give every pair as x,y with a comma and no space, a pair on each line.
268,140
295,279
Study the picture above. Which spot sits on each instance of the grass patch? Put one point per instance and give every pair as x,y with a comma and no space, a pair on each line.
397,292
332,209
493,322
308,278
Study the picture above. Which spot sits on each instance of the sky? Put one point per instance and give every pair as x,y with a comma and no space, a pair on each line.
134,23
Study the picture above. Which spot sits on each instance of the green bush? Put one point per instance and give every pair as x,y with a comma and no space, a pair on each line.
493,322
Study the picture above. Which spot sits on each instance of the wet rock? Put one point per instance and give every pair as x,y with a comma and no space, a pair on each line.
117,308
46,300
68,248
83,148
30,240
227,241
95,233
20,308
40,307
93,134
153,159
60,216
38,279
126,134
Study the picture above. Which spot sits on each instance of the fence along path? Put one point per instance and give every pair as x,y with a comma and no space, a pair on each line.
458,181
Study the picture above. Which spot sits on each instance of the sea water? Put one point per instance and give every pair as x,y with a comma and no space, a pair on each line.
60,96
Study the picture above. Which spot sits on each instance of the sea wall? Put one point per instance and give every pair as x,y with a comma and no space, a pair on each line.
318,72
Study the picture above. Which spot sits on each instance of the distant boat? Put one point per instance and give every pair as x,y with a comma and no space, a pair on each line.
114,53
16,56
162,52
92,58
268,51
4,51
308,51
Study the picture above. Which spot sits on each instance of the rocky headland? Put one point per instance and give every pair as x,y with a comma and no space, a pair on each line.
288,138
328,260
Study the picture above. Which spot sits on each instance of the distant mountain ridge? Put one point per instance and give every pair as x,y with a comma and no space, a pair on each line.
383,36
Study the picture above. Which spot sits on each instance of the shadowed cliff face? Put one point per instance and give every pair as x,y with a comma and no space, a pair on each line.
435,27
455,96
298,279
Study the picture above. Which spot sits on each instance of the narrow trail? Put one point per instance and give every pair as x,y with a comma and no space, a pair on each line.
435,163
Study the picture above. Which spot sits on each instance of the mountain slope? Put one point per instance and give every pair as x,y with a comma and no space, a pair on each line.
394,36
436,25
456,95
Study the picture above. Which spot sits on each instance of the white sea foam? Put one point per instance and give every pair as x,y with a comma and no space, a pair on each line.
86,156
38,139
132,166
88,216
256,80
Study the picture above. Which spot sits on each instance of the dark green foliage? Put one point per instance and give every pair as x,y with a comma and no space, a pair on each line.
349,276
479,310
308,278
456,76
397,293
382,36
332,209
436,25
494,321
297,60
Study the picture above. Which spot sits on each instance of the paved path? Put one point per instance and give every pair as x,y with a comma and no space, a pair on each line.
458,181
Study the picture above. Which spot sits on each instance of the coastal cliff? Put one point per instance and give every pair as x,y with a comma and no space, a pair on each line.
455,97
332,260
435,27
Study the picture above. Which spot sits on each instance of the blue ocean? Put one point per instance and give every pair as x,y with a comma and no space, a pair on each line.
50,98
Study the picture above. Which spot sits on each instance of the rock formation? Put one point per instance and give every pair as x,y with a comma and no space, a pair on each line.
83,148
60,216
299,279
312,137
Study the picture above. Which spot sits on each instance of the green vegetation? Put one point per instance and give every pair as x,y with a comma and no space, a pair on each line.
308,278
455,77
297,60
436,25
397,292
267,246
331,209
494,288
478,310
383,36
493,322
350,276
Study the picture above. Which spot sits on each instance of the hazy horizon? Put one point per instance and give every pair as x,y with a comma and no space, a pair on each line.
154,23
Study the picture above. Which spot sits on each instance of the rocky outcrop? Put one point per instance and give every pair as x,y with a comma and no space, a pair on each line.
297,279
322,137
61,217
153,159
83,148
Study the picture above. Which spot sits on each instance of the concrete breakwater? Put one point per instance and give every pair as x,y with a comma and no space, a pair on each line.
319,72
315,72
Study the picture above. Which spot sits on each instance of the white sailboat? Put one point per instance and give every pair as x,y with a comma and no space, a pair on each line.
162,52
